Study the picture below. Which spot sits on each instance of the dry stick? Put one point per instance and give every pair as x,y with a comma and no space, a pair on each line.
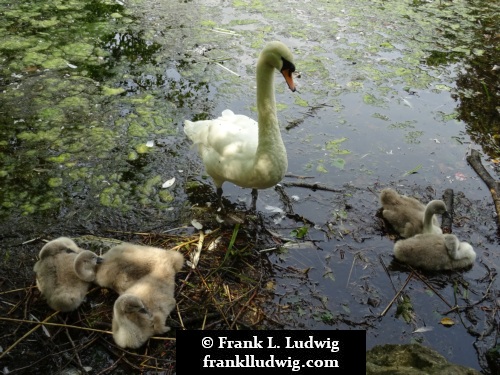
54,324
397,294
474,159
112,367
447,221
74,348
242,308
212,297
38,325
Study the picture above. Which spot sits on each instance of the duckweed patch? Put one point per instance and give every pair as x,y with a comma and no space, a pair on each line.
70,111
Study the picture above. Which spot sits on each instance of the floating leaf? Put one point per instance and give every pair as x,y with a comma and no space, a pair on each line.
300,232
338,163
447,322
168,183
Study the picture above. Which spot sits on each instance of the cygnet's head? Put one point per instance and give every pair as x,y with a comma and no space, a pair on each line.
85,265
437,207
57,246
131,304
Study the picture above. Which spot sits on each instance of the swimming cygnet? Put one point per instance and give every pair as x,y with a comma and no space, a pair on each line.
132,322
435,252
125,264
408,216
55,273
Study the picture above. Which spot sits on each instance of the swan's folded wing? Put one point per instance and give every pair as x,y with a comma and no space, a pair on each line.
233,135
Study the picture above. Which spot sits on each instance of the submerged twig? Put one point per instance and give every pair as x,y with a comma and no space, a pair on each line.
432,288
314,186
397,294
309,113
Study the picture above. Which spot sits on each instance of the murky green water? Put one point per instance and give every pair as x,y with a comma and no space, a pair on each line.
93,95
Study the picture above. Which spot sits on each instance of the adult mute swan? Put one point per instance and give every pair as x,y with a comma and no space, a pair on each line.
237,149
435,252
408,216
56,276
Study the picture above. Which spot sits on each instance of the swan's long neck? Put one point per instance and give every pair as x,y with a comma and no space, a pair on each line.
269,132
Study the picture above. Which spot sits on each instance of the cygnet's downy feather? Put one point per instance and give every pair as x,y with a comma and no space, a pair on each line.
435,252
132,323
125,264
55,273
144,276
408,216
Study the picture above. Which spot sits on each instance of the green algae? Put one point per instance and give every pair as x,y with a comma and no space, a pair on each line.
108,94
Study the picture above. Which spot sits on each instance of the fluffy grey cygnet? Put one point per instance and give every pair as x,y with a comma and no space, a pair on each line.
56,277
125,264
435,252
408,216
132,322
144,276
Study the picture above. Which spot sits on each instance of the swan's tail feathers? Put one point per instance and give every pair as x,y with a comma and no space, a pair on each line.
389,197
196,131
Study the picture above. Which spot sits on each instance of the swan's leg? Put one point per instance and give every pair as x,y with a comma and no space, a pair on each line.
219,196
255,193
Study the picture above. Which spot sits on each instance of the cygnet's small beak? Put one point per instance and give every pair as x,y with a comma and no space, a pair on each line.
99,260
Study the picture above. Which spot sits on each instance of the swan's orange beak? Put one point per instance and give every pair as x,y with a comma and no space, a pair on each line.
287,73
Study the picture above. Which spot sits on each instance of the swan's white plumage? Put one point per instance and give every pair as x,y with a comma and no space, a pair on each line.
240,150
435,252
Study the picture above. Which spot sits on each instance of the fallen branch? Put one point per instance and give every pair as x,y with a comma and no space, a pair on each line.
474,159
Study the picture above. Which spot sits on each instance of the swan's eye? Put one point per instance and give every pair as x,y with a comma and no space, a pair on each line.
287,65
